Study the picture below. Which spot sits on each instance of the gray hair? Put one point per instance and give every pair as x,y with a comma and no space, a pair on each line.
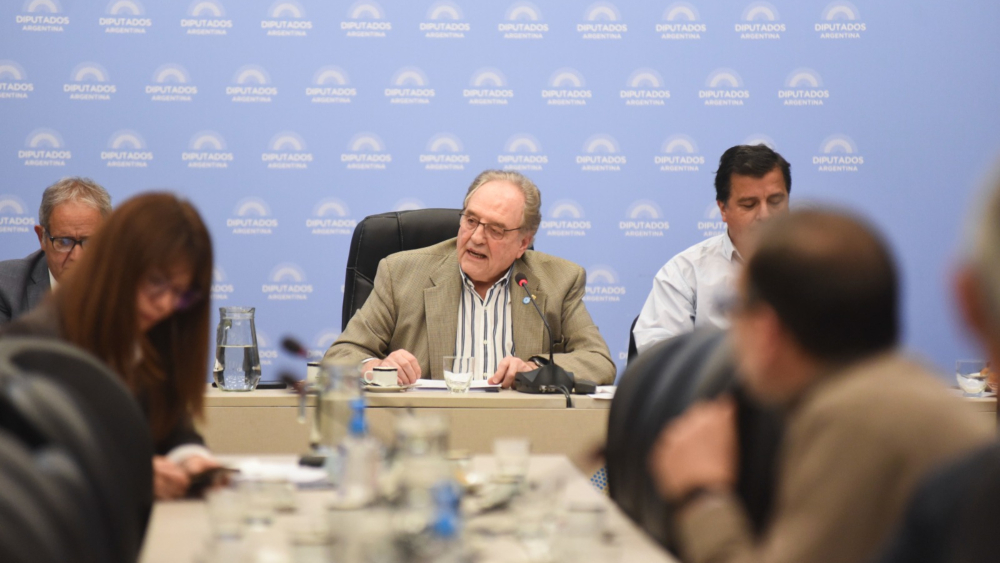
532,197
83,190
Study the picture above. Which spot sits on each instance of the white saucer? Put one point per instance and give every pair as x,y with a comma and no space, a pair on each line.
388,389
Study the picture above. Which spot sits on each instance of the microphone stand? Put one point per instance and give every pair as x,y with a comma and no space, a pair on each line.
549,378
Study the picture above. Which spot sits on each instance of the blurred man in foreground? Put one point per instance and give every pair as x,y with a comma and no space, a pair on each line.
815,331
752,185
71,212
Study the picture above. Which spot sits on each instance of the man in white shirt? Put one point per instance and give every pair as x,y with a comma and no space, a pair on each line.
752,185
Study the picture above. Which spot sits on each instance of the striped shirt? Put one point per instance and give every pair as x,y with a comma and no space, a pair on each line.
484,325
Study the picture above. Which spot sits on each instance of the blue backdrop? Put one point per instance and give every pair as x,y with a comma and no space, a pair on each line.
286,122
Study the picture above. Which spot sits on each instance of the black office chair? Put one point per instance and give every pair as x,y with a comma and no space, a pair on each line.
657,386
88,436
632,350
378,236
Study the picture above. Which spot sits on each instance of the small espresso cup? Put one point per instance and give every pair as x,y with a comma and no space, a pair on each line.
382,376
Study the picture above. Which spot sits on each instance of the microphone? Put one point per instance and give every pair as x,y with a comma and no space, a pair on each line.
549,378
522,280
294,347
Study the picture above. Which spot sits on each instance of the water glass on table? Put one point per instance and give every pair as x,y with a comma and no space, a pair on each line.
512,455
458,372
971,377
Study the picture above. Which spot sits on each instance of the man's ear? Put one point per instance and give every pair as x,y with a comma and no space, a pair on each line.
722,210
525,242
40,231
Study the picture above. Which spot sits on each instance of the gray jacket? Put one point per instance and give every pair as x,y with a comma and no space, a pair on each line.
23,283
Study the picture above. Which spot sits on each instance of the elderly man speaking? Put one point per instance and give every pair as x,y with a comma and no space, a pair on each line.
456,298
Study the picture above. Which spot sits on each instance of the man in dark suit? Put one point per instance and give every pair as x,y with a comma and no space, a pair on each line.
71,212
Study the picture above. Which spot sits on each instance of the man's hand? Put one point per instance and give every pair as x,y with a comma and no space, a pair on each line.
508,368
170,480
698,449
407,365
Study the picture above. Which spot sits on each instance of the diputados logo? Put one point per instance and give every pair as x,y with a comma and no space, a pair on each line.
523,20
601,154
724,87
322,343
712,224
409,85
644,87
523,153
602,20
286,151
838,153
567,88
565,219
331,216
89,82
286,18
603,285
681,21
445,20
265,349
840,20
14,216
287,282
14,84
42,15
252,216
643,218
679,153
206,17
44,147
221,287
366,151
760,21
803,87
331,85
444,152
488,86
366,19
171,83
125,17
207,149
408,204
126,149
251,84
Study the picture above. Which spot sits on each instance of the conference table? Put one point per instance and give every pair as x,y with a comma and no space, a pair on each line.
179,530
266,421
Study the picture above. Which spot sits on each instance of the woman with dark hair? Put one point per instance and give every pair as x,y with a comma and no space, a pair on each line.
138,301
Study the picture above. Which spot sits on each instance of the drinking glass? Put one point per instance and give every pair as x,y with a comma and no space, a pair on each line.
971,377
458,373
512,456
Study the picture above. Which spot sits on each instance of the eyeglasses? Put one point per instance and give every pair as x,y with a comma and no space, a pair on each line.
64,244
156,285
495,232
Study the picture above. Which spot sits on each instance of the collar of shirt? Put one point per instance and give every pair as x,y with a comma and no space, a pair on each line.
469,284
52,280
729,250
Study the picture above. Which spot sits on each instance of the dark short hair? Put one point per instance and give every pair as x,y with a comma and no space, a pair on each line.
748,160
831,280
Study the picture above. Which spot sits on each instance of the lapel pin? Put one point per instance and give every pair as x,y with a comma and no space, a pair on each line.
526,300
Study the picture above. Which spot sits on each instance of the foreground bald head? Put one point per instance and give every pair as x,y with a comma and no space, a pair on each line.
819,292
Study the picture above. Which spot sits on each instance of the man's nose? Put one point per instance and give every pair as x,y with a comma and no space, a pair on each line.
74,254
764,212
479,233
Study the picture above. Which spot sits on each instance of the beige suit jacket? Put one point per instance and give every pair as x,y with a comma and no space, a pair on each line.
855,446
414,307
